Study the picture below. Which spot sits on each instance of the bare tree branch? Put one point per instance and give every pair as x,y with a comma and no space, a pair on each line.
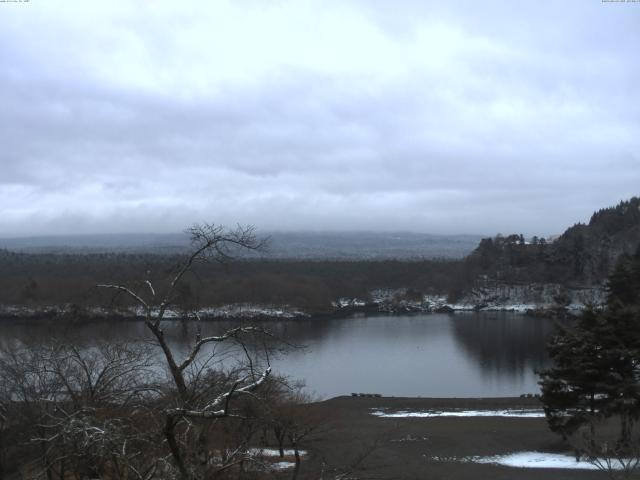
128,291
153,292
209,242
233,333
207,238
209,411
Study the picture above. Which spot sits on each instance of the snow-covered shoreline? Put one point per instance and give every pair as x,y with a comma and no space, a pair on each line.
532,298
225,312
539,299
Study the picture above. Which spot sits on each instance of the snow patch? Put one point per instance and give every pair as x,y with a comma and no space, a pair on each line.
541,460
460,413
349,302
236,310
535,460
270,454
273,452
410,438
282,465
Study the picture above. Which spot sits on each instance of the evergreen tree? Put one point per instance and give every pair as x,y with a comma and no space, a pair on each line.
572,391
597,362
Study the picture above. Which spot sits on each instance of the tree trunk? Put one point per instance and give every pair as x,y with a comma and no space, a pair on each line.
176,373
170,435
625,429
202,453
280,436
45,454
62,469
296,470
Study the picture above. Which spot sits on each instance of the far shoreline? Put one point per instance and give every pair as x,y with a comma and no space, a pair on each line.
75,314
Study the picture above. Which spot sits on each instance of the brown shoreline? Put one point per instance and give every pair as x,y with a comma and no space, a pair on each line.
429,448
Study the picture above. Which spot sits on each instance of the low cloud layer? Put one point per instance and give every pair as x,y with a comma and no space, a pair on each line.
482,117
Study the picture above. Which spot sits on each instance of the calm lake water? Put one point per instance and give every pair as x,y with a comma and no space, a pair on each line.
435,355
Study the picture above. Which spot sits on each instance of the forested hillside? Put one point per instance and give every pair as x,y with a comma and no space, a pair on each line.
50,279
583,254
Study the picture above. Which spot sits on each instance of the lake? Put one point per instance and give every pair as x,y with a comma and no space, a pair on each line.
487,354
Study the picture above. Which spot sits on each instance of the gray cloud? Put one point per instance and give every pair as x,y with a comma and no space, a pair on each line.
482,117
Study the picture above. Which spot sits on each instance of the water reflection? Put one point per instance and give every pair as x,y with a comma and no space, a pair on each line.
475,355
502,343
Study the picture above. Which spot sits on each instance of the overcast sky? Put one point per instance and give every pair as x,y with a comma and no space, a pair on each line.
442,117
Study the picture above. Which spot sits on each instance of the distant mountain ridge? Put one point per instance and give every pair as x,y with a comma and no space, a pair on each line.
282,245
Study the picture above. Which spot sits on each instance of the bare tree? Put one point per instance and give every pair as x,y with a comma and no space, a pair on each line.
209,243
27,391
107,373
286,416
75,411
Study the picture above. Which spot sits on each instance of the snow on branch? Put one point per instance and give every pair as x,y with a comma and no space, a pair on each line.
128,291
233,333
213,410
